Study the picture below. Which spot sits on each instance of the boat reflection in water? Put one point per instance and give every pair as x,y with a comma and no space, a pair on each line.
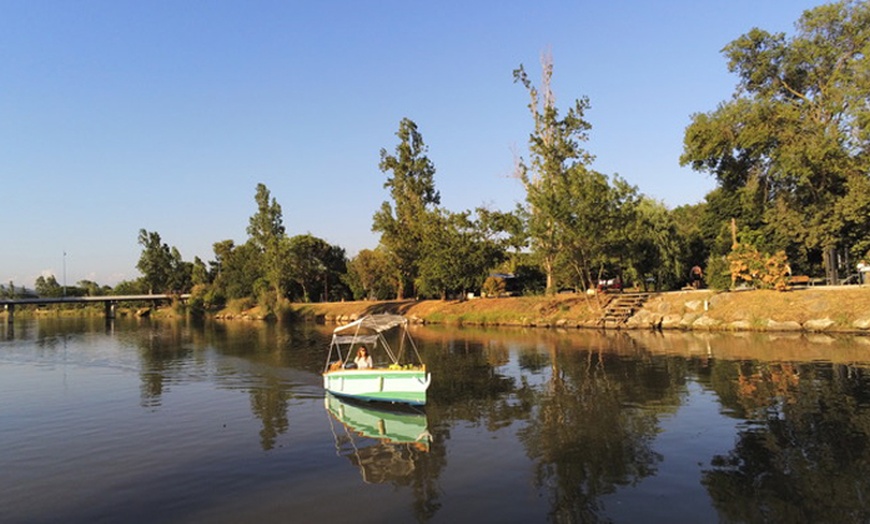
383,441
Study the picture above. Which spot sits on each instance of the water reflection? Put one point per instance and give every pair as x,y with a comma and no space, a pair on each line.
804,452
383,441
593,404
569,426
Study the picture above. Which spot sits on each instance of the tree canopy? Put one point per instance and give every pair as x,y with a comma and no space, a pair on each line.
402,224
790,149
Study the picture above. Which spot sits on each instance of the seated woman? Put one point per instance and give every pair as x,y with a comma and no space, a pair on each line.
363,360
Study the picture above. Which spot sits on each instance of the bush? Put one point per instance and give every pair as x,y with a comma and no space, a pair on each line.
494,286
761,270
240,305
718,273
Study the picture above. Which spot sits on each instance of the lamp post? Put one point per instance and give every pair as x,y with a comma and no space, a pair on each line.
64,273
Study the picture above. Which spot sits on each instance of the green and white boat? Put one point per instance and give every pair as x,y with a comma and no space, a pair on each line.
398,375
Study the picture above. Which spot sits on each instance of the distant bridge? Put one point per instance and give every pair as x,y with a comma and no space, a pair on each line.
110,302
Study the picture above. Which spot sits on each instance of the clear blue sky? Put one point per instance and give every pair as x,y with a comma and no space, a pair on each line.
120,115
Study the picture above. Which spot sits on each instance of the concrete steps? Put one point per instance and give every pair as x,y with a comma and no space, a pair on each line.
621,307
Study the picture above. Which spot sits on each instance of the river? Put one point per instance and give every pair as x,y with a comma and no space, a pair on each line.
147,420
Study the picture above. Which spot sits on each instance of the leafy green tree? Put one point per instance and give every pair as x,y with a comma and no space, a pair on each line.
179,272
653,247
596,229
91,288
47,286
315,265
370,275
199,272
790,149
507,231
557,173
130,287
266,229
457,255
155,262
237,268
412,188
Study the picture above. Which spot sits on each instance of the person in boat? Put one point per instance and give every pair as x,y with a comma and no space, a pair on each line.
363,360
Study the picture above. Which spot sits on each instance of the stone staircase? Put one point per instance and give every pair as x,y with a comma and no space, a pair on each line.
621,307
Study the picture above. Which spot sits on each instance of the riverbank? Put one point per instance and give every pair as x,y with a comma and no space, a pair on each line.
812,309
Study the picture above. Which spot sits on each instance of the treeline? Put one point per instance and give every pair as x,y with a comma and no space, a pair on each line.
789,152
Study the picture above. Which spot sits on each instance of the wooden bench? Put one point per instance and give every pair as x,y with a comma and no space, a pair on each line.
799,280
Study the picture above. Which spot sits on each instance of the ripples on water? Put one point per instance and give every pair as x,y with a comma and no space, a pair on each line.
165,421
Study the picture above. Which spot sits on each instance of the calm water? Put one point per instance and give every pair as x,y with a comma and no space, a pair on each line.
162,421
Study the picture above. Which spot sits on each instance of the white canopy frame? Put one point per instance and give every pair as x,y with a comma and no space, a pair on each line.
370,330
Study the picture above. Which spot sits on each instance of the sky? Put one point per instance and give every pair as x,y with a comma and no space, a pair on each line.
164,115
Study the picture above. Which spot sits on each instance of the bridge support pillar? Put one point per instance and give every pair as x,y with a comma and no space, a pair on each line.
10,313
110,310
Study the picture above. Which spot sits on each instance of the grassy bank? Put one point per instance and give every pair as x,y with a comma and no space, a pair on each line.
823,308
759,310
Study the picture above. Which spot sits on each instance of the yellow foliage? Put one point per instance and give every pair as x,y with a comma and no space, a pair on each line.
764,271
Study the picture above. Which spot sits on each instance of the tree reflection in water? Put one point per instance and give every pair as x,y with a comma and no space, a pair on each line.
588,416
588,432
803,455
585,408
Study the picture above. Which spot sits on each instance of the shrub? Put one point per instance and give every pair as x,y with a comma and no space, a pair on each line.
761,270
494,286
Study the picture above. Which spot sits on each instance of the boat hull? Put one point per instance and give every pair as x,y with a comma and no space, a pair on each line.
404,386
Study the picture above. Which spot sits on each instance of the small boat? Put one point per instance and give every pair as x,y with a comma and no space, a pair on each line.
392,378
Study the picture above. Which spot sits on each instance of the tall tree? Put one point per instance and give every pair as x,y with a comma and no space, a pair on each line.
570,205
155,262
792,147
179,272
199,272
412,188
266,229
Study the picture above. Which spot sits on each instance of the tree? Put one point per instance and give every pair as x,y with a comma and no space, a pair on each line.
654,248
412,188
92,289
370,275
237,269
572,210
596,228
507,231
47,286
266,229
130,287
457,254
790,149
199,272
315,265
155,262
179,272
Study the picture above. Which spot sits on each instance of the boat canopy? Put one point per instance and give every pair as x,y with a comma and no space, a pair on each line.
354,339
370,330
376,323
